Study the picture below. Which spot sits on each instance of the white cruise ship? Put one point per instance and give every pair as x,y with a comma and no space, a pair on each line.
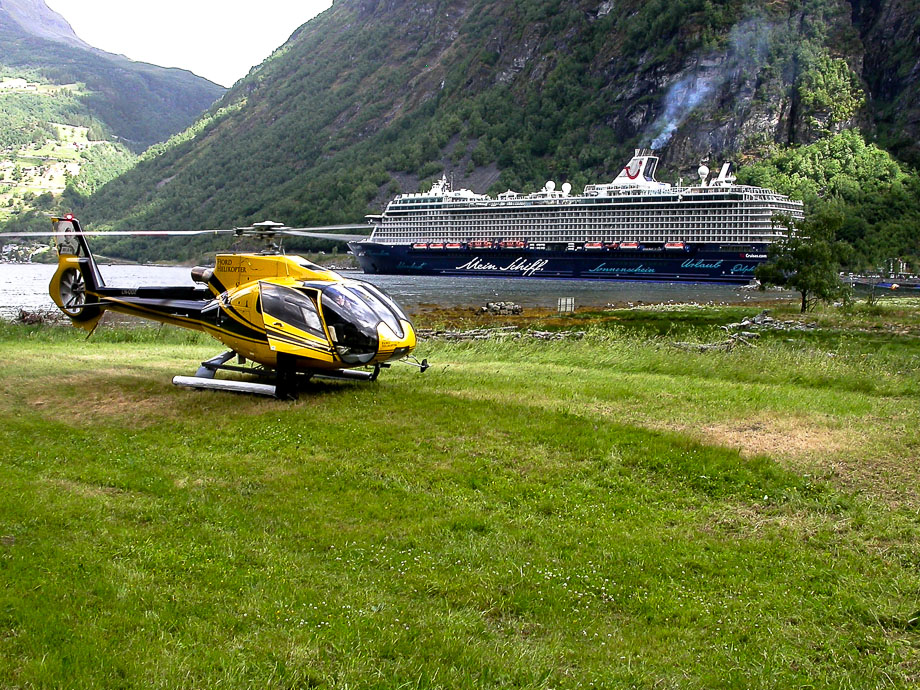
632,228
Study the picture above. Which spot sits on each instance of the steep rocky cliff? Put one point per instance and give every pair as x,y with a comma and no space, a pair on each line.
890,33
377,96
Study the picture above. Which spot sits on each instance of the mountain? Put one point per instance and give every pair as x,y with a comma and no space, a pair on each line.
37,19
374,97
137,103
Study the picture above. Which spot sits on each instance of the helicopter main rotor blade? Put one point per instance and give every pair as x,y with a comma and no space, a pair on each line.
117,233
328,236
320,233
323,228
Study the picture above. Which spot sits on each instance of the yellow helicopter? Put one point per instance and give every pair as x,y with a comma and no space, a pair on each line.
288,317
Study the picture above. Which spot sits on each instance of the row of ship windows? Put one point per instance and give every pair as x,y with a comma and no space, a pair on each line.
620,232
569,215
686,221
472,232
690,221
752,239
606,234
473,229
600,218
549,222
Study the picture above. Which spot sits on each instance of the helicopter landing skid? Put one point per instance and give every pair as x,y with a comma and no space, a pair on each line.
285,382
215,384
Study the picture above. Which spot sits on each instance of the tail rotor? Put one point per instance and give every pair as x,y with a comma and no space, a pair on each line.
72,289
77,276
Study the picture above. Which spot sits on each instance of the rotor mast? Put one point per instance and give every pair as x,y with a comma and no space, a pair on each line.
267,231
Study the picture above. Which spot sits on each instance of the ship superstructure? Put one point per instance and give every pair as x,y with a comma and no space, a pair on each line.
632,227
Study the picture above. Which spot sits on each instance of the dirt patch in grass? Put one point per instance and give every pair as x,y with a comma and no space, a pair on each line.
102,393
85,489
774,437
144,397
747,521
847,458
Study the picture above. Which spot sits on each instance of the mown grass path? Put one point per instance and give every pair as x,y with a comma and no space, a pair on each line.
608,512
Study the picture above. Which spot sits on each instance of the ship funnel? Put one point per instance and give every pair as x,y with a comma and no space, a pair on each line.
640,172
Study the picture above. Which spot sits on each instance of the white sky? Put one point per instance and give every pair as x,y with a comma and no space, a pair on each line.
216,39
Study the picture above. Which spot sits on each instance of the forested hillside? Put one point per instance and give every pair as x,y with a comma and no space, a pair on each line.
374,97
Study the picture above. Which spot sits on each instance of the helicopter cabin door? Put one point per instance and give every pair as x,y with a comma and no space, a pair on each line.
292,322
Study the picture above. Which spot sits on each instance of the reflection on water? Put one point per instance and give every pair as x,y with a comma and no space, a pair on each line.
26,286
413,291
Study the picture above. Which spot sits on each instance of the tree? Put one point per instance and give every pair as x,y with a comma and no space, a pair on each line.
807,258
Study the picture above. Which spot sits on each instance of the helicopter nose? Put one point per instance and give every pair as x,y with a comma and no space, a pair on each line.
391,345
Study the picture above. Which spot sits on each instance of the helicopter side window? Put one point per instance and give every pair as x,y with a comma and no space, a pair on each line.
292,307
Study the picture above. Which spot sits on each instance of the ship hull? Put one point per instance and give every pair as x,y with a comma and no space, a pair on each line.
691,264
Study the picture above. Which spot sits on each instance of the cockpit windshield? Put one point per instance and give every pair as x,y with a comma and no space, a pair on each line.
388,301
358,301
352,312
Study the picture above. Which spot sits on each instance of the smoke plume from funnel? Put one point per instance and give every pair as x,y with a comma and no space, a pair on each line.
682,99
748,44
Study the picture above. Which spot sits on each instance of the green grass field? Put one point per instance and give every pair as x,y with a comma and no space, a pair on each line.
604,512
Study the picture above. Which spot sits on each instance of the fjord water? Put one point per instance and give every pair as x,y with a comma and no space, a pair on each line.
25,286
